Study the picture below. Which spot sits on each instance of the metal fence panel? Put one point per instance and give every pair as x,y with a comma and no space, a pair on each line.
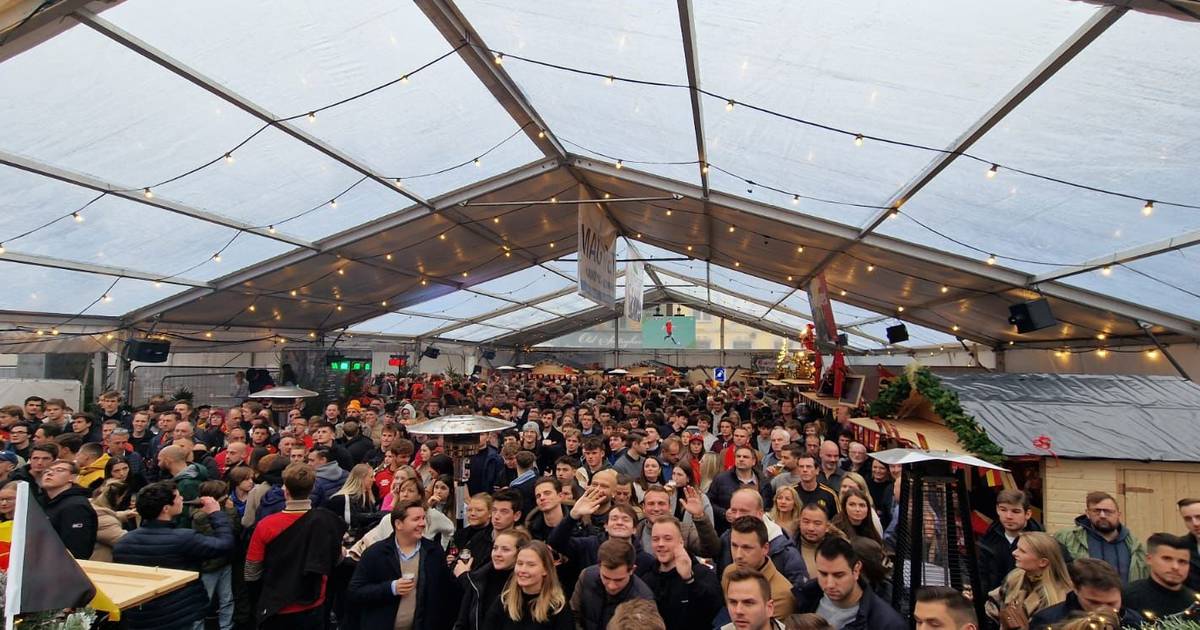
208,385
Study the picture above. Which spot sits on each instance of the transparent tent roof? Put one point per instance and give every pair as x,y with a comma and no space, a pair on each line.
307,168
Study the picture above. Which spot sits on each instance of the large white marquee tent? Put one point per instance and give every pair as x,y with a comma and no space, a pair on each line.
249,172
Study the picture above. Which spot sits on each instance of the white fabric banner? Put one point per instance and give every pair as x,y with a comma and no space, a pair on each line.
597,270
634,288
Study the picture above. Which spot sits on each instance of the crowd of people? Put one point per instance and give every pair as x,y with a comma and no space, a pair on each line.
611,503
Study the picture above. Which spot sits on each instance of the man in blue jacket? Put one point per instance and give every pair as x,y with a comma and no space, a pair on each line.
159,543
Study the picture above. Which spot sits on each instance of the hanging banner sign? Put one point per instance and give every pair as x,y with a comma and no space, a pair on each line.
635,278
825,328
597,269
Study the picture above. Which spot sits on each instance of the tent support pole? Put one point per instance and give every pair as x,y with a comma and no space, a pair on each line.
1163,349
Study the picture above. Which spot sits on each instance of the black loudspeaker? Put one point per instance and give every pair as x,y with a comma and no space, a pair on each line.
431,352
147,351
488,355
1031,316
843,339
897,333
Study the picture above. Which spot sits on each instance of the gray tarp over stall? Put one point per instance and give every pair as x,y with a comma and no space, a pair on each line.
1154,418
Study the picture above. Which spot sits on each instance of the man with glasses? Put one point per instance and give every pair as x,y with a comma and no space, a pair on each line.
19,439
1099,534
68,509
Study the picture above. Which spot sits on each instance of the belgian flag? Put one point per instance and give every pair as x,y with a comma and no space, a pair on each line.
42,574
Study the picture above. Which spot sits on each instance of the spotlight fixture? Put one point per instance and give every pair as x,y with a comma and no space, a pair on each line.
1031,316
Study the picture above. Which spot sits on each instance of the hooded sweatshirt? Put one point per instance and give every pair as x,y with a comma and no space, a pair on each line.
330,478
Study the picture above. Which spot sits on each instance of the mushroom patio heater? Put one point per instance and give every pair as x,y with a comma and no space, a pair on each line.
935,545
460,440
282,399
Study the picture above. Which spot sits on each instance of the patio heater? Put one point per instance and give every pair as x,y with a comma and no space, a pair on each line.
281,400
460,440
935,544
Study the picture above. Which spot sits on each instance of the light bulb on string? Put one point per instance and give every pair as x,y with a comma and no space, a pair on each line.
271,229
229,158
404,79
551,244
339,307
954,328
217,257
704,169
842,293
899,309
870,268
333,203
341,272
991,172
1148,209
991,259
147,193
619,164
541,133
858,139
795,199
609,80
477,162
208,334
2,250
293,292
1102,353
106,297
668,212
732,229
312,116
1106,270
1101,336
388,257
499,59
253,308
945,289
399,183
689,248
729,105
78,216
800,249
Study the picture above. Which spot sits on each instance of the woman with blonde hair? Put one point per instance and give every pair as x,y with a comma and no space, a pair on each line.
1040,580
532,598
786,510
355,502
711,465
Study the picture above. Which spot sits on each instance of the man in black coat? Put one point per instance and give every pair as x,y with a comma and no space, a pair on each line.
158,543
838,587
68,509
743,474
687,592
1097,588
607,584
1013,516
403,581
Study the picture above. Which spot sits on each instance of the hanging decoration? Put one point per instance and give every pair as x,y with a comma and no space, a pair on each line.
971,435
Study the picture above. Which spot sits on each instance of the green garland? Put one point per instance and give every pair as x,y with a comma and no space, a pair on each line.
945,403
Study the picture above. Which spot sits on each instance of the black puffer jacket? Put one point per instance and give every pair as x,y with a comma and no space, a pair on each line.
160,544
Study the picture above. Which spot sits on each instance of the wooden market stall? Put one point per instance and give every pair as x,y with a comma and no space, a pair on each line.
1062,436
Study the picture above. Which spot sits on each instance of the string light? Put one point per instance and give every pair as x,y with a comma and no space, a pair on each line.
945,289
1101,336
147,193
619,164
53,331
208,334
1107,270
554,200
689,248
551,244
77,216
424,282
639,235
293,293
731,229
870,268
899,309
895,212
991,259
442,236
495,219
1102,353
508,254
991,172
954,328
795,200
704,169
499,59
341,272
842,293
312,335
668,212
404,79
607,195
464,274
40,332
106,297
729,105
383,303
608,80
477,161
858,139
157,285
737,264
399,182
1148,209
1153,354
388,257
800,249
339,307
271,229
789,278
312,116
229,158
333,203
2,250
541,133
253,308
217,257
